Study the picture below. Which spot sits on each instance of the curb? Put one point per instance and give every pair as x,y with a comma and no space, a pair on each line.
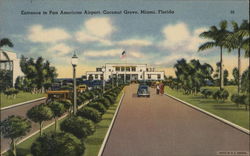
31,135
110,127
22,103
212,115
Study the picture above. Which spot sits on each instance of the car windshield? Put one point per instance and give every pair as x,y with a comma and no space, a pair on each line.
143,88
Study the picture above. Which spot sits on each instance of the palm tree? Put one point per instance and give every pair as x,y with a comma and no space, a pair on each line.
217,36
235,40
6,42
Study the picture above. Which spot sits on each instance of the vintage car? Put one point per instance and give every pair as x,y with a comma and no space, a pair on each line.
143,90
58,94
81,88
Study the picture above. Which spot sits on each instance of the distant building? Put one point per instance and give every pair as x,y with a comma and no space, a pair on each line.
132,72
10,62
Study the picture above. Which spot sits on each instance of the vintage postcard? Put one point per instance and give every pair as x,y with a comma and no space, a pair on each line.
124,78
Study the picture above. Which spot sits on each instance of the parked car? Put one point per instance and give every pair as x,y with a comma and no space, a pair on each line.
143,90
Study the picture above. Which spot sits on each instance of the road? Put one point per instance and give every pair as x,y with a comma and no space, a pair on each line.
162,126
21,111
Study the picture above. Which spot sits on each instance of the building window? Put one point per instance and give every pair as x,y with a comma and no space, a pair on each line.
141,76
98,69
133,68
158,76
127,68
110,70
147,69
109,76
101,76
96,76
117,68
140,70
122,68
149,76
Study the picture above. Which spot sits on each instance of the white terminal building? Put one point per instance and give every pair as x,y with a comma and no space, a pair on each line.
119,70
10,62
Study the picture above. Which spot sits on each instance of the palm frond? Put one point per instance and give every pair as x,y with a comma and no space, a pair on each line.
223,25
6,42
235,26
207,45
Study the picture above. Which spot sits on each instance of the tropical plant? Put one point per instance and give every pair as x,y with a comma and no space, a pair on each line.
78,126
38,73
240,99
57,144
57,109
192,76
217,37
235,40
11,92
206,93
39,114
5,75
90,113
221,95
98,106
245,81
236,76
15,127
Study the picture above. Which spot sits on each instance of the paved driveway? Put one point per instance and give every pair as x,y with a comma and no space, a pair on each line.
162,126
21,111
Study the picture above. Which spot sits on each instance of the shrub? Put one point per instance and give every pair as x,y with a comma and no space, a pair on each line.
103,101
221,95
240,99
110,98
11,92
98,106
224,94
67,103
206,93
90,113
57,144
78,126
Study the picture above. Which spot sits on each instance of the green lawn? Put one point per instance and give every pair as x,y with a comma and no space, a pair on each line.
93,142
21,97
227,110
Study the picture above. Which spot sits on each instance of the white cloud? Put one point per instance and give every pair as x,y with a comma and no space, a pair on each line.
99,26
96,30
135,54
103,53
134,42
39,34
60,49
178,38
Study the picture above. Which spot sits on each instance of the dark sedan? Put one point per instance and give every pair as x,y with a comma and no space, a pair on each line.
143,90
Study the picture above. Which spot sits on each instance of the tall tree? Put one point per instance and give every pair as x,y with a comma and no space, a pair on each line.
15,127
40,114
217,36
236,75
235,40
6,76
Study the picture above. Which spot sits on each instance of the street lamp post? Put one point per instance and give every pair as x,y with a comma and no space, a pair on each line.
103,81
112,76
116,79
74,62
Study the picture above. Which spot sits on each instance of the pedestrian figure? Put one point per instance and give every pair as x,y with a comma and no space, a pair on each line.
162,88
157,89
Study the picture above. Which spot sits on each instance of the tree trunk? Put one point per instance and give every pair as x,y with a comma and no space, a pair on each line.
41,129
221,71
55,124
13,143
239,72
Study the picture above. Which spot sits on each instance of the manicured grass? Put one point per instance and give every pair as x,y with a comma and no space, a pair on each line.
21,97
227,110
93,142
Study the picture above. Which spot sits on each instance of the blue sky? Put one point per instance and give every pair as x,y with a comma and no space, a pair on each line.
158,39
